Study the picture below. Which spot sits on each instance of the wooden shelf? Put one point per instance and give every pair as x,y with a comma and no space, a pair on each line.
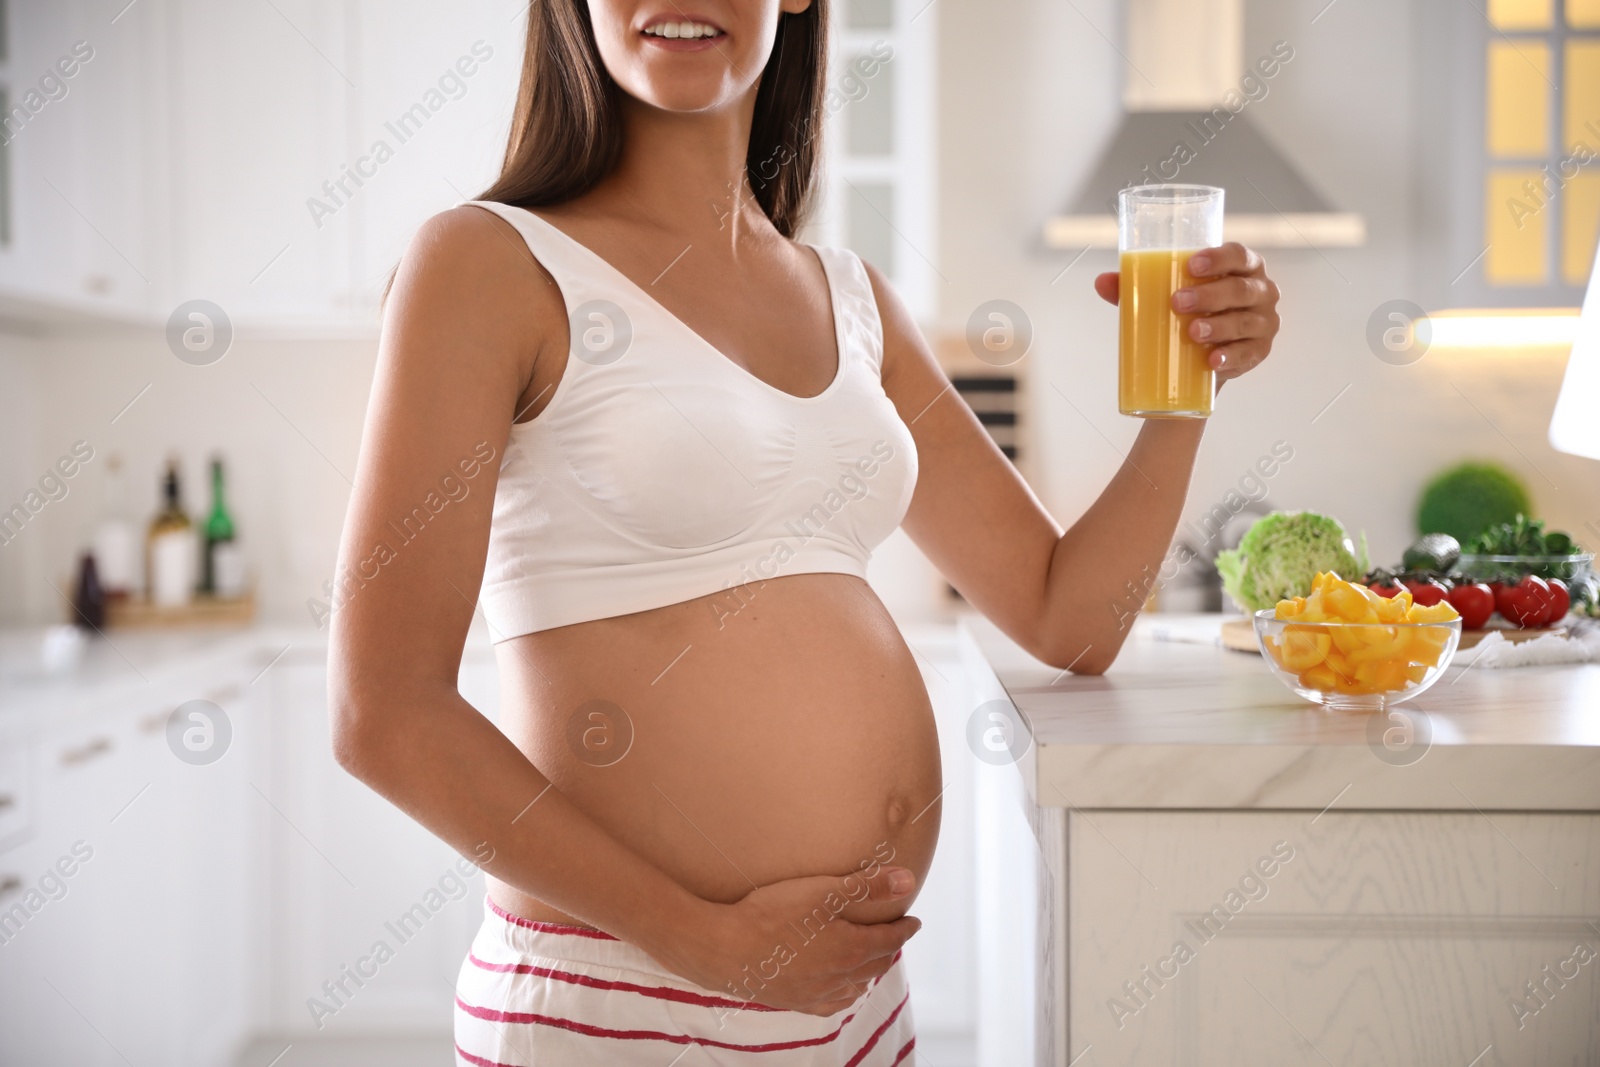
202,611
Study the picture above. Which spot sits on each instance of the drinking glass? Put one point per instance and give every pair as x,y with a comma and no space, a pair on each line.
1162,373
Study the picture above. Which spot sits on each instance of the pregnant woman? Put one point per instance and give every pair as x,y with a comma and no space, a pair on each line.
659,437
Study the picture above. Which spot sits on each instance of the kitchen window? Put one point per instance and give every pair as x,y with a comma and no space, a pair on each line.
877,194
1511,92
1541,142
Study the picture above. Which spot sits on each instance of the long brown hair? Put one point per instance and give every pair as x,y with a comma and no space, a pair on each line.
566,133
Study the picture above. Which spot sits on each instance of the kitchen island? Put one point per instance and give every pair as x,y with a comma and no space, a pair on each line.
1187,864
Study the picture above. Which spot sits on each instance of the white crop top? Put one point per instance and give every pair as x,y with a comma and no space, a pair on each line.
660,471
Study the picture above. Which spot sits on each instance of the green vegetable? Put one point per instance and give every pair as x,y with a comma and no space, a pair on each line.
1557,543
1524,539
1467,499
1280,555
1432,552
1521,536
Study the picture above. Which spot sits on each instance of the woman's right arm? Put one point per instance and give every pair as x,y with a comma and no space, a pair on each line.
466,323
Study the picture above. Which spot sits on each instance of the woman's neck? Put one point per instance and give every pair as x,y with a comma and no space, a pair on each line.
686,173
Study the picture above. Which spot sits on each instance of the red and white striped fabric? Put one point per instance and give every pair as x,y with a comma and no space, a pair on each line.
536,994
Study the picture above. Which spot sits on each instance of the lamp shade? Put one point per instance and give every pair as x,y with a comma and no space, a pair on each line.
1575,424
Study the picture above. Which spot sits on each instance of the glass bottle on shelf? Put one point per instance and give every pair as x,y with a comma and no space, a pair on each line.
89,602
223,568
171,547
116,550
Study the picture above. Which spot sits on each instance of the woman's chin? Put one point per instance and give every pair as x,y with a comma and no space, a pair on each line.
682,91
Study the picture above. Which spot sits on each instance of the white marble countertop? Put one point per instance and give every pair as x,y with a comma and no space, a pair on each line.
128,667
1180,724
135,666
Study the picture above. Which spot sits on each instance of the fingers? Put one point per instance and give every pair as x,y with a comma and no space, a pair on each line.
1230,258
888,883
1225,294
881,940
1109,286
833,1007
1235,307
1230,326
1235,360
870,970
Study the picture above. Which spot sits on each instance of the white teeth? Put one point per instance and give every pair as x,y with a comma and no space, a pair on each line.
681,29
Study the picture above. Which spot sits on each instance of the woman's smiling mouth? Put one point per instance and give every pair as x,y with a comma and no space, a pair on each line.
683,34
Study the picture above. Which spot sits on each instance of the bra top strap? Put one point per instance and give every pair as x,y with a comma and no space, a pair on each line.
576,272
861,328
584,276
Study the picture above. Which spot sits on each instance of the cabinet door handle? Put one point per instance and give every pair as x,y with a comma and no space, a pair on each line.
85,752
9,884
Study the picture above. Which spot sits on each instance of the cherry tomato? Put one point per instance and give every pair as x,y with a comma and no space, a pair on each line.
1386,589
1427,592
1529,602
1474,602
1501,592
1560,601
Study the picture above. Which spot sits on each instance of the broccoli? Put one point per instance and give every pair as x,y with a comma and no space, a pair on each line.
1280,555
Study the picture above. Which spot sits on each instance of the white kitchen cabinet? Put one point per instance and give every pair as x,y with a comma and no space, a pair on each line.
225,152
438,83
311,139
941,959
84,156
141,956
1384,938
1187,868
348,866
47,961
261,107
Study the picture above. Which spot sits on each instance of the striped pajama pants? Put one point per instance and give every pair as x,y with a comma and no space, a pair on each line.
532,994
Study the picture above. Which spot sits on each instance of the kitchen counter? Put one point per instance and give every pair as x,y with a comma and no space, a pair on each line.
133,665
1185,863
1180,724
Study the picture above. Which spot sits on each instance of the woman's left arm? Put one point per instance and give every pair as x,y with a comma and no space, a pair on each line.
1065,597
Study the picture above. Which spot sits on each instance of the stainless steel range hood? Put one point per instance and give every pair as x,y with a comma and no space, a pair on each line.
1188,120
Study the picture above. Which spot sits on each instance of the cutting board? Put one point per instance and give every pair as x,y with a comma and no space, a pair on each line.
1240,635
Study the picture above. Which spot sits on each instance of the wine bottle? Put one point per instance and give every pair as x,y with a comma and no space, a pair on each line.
223,570
89,605
171,547
116,551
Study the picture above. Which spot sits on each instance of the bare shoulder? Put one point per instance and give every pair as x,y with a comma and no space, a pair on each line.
469,270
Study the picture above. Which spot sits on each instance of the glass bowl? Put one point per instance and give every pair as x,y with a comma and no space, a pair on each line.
1510,569
1356,665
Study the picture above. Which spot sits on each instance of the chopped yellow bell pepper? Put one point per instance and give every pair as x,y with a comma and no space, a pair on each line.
1320,677
1377,653
1440,612
1302,648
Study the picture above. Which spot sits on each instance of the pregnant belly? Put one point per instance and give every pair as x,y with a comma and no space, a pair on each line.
736,740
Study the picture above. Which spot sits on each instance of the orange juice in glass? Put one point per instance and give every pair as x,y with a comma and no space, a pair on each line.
1162,373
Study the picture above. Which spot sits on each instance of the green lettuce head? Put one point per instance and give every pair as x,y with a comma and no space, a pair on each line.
1280,555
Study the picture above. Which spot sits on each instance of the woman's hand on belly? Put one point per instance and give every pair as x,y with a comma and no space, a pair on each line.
787,945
